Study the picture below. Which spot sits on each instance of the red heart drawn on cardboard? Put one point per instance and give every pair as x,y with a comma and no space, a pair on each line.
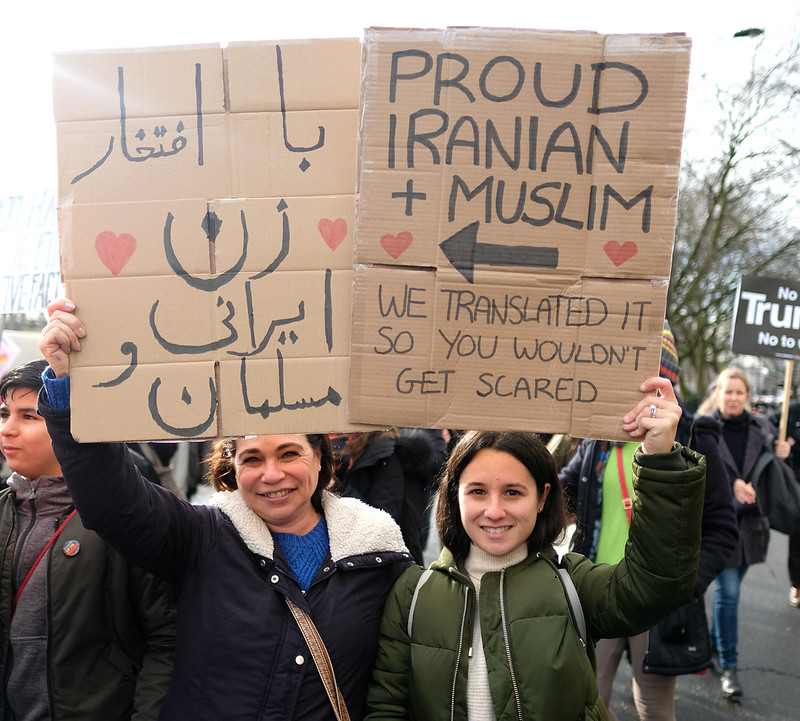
620,253
333,232
396,245
114,250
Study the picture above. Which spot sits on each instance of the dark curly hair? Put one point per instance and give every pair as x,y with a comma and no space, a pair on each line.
529,450
222,474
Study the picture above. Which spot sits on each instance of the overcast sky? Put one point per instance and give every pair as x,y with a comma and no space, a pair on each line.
34,30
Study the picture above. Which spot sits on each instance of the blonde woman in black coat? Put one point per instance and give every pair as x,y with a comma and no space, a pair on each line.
744,437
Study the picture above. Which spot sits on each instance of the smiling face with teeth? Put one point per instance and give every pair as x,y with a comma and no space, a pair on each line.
277,476
498,501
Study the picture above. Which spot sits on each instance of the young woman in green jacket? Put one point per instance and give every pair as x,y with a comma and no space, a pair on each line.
488,632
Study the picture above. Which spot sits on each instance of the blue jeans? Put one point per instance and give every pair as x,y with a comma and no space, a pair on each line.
725,624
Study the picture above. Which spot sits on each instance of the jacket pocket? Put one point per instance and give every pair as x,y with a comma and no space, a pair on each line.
123,663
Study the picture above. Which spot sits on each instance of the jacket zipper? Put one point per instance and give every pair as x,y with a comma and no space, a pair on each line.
458,654
11,531
514,683
22,538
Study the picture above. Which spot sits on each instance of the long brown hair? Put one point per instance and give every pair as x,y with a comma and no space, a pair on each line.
531,453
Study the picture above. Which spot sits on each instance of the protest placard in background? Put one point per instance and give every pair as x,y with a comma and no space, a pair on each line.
767,318
516,213
206,205
29,276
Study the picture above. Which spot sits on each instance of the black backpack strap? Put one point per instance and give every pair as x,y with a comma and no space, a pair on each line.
571,593
575,608
573,600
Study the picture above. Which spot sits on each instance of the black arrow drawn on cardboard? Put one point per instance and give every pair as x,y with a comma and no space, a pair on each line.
464,252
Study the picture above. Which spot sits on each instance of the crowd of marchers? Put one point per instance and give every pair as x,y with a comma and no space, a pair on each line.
297,590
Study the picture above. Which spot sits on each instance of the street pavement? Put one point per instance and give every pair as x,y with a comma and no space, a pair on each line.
769,656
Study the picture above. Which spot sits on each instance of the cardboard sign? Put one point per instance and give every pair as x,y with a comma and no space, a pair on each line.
206,209
767,318
517,197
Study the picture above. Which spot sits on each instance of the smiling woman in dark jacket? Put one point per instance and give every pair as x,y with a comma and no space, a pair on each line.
271,533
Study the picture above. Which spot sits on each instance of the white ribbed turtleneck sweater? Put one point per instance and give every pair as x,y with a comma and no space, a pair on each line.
479,698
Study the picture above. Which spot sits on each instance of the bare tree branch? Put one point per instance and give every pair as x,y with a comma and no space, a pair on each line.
738,214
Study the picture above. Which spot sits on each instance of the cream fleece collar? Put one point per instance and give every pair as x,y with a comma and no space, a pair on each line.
354,528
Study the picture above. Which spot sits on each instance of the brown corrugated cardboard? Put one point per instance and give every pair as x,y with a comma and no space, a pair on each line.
514,228
512,240
206,212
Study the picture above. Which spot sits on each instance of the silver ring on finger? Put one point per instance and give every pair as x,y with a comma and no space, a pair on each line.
653,409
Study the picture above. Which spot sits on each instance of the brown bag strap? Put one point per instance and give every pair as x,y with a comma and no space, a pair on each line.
321,658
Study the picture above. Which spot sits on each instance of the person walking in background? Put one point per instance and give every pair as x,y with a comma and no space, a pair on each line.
598,490
160,456
487,632
85,633
793,437
745,436
273,549
391,471
427,474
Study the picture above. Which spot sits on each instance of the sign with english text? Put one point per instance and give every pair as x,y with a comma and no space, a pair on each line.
29,274
515,223
767,318
504,264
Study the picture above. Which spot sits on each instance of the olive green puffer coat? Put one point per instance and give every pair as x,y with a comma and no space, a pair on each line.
538,667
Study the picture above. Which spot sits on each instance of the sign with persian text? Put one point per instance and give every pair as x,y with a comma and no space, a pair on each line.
206,201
